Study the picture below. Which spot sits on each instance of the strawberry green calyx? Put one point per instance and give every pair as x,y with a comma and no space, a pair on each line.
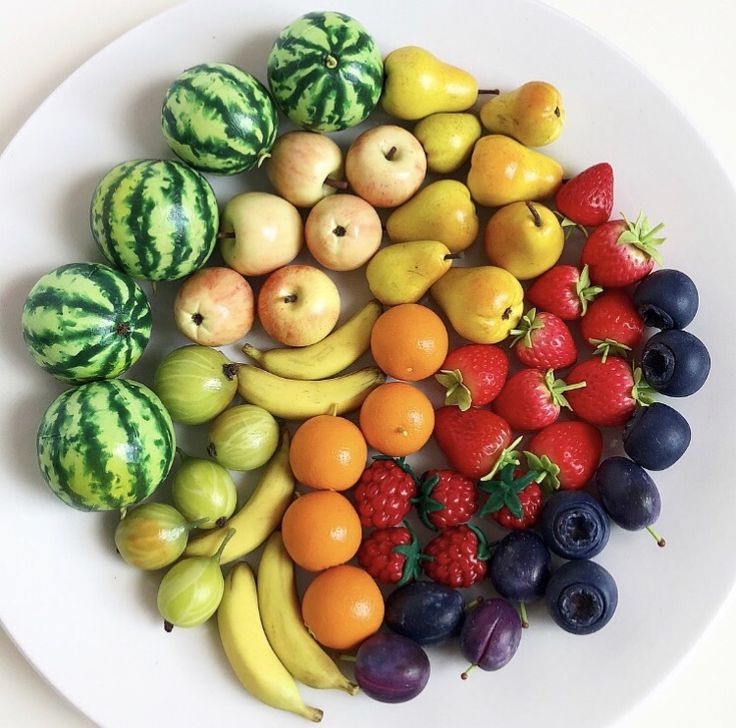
413,553
569,225
547,470
558,387
642,235
585,291
484,550
504,490
425,503
642,393
456,392
604,347
529,323
509,455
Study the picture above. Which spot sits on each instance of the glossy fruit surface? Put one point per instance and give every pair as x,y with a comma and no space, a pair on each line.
446,499
203,489
243,437
490,635
656,437
667,299
391,668
328,452
612,323
383,495
456,556
519,567
675,363
564,291
543,341
342,606
581,597
473,374
424,611
574,525
587,198
391,555
321,529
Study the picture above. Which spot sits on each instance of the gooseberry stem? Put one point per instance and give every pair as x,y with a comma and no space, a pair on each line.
660,541
168,626
218,554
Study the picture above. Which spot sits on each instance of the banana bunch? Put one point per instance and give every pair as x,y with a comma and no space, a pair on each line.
259,516
295,399
325,358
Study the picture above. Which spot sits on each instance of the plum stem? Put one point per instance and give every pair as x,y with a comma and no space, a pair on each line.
474,603
464,675
522,610
660,541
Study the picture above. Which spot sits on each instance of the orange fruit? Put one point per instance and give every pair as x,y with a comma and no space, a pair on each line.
328,453
342,606
397,419
409,342
321,529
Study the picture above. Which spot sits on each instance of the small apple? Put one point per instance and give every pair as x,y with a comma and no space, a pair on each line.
304,167
298,305
343,232
386,165
214,306
260,232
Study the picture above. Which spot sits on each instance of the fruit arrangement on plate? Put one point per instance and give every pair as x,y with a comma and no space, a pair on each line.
533,360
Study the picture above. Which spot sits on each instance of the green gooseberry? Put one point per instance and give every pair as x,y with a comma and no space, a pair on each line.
243,437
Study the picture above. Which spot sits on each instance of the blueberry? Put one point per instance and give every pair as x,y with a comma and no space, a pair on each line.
581,597
425,612
666,299
490,635
629,494
675,363
656,436
574,525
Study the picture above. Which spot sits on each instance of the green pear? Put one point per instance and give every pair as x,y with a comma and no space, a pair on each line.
404,272
441,211
448,140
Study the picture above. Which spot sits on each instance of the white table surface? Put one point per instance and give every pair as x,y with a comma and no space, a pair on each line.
687,47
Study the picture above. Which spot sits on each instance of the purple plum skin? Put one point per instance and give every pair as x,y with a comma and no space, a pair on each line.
491,634
391,668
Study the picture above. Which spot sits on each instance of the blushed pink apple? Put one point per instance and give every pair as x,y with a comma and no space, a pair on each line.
298,305
214,307
260,232
343,232
386,165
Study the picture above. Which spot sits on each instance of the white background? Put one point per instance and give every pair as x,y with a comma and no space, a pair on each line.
687,47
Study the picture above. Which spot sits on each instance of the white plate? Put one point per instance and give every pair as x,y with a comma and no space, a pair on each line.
89,624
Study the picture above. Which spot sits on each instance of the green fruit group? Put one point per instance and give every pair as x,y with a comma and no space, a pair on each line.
156,220
243,437
325,72
203,490
105,445
86,321
219,119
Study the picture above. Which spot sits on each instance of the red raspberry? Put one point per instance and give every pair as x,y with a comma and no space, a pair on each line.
384,492
446,499
457,556
391,555
514,498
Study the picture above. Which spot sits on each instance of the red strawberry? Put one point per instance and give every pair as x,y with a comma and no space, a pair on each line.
587,199
446,499
457,556
391,555
384,492
473,441
611,394
532,399
612,324
473,374
620,252
542,340
514,498
564,291
567,452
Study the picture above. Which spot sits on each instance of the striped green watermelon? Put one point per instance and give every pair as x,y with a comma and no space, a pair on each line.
105,445
325,71
86,321
219,119
156,220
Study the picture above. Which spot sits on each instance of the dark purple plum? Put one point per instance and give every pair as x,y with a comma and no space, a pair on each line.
675,363
391,668
656,437
490,635
574,525
581,596
666,299
424,611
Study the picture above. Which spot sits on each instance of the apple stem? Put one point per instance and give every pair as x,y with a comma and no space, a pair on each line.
197,319
390,153
223,234
488,91
535,214
291,298
340,231
453,256
338,184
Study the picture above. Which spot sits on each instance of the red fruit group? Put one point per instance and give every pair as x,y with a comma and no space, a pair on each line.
456,556
384,492
446,499
391,555
542,340
567,452
563,290
587,198
612,324
473,375
514,498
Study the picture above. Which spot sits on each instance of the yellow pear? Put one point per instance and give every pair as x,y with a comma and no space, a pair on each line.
440,211
403,273
483,304
533,114
418,84
448,140
503,171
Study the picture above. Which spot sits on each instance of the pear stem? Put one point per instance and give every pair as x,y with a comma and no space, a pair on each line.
535,214
488,91
338,184
223,234
453,256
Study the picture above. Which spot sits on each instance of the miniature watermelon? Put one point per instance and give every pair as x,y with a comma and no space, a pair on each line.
105,445
325,72
219,119
86,321
156,220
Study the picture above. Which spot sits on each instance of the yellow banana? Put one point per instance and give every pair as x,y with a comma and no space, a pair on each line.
261,513
283,624
295,399
248,651
327,357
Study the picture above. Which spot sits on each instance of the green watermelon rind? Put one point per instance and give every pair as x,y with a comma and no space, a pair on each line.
313,94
